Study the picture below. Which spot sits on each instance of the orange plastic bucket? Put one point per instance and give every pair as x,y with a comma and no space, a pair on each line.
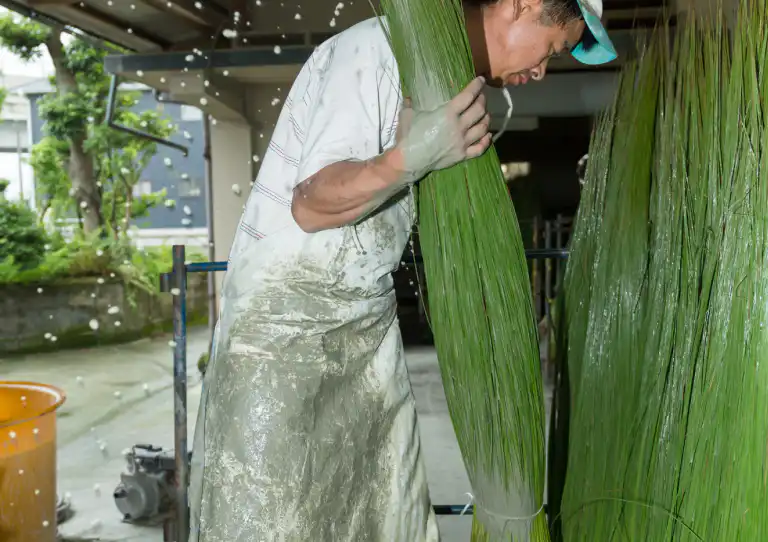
28,461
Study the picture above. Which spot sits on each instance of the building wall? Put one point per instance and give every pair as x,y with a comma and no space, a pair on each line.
184,180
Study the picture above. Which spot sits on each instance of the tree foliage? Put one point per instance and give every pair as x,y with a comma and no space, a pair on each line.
82,167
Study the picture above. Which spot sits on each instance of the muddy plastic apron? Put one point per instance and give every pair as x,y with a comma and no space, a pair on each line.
307,428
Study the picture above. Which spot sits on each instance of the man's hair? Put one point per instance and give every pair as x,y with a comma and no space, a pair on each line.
561,12
555,12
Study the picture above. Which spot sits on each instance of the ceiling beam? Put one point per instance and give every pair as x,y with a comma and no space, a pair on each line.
209,14
223,99
37,3
194,17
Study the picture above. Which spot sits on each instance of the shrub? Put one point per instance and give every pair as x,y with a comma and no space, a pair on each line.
22,239
92,256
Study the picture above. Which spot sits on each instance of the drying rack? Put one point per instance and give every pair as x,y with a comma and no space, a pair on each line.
176,282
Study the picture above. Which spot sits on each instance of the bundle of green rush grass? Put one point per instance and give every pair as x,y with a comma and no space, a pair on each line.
479,296
667,298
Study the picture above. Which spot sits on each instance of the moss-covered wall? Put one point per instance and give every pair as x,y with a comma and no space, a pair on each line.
55,316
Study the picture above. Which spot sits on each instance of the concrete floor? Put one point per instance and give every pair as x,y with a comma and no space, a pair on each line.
120,396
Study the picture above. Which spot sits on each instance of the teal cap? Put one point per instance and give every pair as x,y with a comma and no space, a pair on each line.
595,46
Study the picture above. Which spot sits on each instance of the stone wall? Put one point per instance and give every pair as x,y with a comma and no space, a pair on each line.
55,316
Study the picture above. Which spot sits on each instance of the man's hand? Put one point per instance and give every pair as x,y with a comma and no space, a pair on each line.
443,137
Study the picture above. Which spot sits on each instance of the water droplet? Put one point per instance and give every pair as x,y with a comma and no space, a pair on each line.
45,523
175,291
94,324
39,290
12,434
100,280
117,323
79,380
236,189
172,344
117,395
113,310
37,492
278,49
229,33
297,16
203,101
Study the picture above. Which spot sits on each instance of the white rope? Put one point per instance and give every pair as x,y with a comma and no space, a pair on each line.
497,515
471,499
510,107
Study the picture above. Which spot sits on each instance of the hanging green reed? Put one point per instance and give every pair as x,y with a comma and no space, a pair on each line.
479,295
666,297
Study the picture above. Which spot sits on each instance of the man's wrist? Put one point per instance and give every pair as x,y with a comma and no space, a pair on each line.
393,170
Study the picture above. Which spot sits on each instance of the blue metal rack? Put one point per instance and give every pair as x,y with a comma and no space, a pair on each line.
176,282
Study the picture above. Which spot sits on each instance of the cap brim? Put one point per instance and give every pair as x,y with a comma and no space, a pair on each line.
595,46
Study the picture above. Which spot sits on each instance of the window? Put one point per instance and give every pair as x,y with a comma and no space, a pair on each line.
190,113
189,188
142,188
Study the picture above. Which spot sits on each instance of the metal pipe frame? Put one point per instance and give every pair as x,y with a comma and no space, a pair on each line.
110,120
176,283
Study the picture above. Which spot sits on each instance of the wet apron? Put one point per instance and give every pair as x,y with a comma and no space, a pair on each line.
307,427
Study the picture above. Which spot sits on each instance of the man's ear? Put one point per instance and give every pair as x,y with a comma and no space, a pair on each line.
511,10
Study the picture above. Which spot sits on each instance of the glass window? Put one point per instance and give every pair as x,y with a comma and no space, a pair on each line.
189,188
142,188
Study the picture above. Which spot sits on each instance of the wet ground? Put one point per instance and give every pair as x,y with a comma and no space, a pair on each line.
122,395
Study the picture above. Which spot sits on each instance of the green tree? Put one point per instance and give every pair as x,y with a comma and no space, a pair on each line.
83,167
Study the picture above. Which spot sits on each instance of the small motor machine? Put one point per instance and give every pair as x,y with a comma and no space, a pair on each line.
146,491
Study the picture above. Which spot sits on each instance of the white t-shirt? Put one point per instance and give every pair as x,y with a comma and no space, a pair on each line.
343,105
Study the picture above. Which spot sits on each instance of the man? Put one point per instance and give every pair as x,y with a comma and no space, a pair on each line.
307,430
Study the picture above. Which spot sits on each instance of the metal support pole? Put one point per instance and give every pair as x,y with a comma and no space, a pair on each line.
179,291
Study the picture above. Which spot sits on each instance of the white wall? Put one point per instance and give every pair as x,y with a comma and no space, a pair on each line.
9,169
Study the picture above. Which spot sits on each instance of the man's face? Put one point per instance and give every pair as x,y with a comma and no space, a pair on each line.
520,41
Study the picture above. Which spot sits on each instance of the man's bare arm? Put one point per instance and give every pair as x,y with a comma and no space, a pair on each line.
343,192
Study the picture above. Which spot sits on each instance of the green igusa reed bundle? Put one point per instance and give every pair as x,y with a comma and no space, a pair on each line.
479,296
667,298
